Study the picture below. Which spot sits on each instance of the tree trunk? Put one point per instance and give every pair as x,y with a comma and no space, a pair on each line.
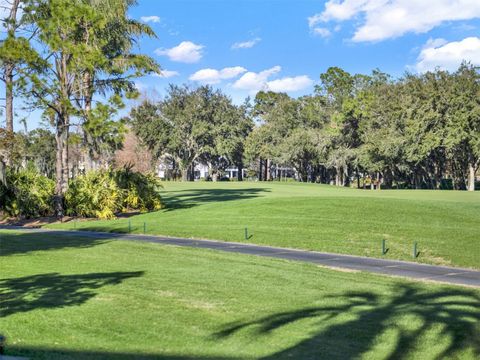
9,97
418,182
188,173
260,170
65,167
88,96
8,74
185,173
337,176
61,166
265,170
9,67
471,177
3,173
268,175
6,161
240,172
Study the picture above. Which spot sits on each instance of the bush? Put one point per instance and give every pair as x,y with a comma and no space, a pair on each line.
99,194
102,194
27,194
139,191
95,194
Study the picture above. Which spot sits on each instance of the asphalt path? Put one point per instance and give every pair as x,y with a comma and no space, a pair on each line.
412,270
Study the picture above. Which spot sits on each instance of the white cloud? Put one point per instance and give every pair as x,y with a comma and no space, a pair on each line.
153,19
448,55
140,86
322,32
254,82
186,52
213,76
384,19
167,74
290,83
246,44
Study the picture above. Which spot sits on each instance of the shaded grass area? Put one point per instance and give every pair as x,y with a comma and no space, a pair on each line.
110,299
445,224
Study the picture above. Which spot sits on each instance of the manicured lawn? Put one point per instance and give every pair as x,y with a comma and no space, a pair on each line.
445,224
109,299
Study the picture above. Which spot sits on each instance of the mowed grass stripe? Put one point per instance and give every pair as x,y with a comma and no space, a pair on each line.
445,224
65,297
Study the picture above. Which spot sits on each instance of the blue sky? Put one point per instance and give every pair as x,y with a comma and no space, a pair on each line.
284,45
293,41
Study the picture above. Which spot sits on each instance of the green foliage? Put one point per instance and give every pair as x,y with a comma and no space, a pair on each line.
95,194
102,194
193,125
40,149
99,194
139,191
27,194
412,132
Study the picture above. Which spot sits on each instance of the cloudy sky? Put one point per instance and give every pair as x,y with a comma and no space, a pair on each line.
283,45
244,46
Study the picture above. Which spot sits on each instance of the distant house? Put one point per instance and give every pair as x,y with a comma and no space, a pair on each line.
168,170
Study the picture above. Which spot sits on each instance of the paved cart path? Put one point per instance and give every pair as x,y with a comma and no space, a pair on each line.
444,274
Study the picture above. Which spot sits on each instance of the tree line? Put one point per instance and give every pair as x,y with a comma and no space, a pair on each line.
74,61
418,131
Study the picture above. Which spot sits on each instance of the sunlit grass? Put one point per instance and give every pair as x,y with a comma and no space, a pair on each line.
109,299
445,224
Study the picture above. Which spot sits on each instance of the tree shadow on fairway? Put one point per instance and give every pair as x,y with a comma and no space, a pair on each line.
15,243
46,353
185,199
410,314
48,291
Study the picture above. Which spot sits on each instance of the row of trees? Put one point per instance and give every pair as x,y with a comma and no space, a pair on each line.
193,125
74,61
419,131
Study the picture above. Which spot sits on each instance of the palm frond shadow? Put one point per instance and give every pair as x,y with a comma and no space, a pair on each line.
53,290
13,244
455,311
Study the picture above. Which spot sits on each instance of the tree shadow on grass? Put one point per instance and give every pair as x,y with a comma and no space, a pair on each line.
48,291
454,313
15,243
54,354
185,199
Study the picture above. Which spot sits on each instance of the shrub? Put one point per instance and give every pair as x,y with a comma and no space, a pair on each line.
139,191
102,194
27,194
95,194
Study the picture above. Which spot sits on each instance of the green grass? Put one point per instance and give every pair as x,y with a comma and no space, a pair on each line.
73,298
445,224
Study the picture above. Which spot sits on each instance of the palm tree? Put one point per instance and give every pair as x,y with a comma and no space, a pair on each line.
116,41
